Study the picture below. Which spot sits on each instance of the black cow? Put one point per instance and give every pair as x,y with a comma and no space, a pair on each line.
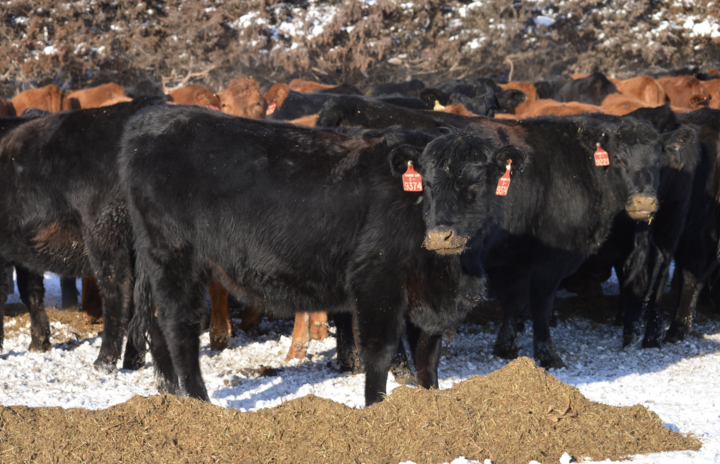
376,114
558,210
342,89
298,104
406,89
64,211
300,219
591,89
476,96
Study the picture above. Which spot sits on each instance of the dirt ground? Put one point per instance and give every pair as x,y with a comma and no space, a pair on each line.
514,415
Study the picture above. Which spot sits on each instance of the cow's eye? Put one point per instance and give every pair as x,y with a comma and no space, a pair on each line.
479,181
619,161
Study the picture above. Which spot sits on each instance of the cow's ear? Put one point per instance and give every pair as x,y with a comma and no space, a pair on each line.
277,94
676,142
401,155
590,136
510,152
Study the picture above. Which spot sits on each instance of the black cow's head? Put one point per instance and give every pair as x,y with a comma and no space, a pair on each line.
634,151
460,177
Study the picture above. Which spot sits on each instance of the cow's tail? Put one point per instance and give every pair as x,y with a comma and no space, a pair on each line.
143,317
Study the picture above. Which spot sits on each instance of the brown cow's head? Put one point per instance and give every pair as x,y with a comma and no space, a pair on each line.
243,98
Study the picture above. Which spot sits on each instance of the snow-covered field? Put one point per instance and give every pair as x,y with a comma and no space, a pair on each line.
678,382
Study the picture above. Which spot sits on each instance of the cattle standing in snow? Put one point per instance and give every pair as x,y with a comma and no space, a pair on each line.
64,210
558,210
301,219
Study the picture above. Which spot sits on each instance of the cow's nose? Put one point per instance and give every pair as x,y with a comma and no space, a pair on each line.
642,206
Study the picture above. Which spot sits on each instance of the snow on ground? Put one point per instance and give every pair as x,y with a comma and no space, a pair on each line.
678,382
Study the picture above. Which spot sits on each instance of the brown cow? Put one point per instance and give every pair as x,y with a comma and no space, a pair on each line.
243,97
643,88
713,88
275,97
195,95
48,98
620,104
300,85
528,88
457,108
93,97
545,106
310,120
685,91
116,100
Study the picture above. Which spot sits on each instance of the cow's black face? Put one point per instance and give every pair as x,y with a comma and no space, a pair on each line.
634,152
460,177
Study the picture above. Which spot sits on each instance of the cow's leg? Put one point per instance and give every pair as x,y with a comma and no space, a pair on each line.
658,282
347,350
682,321
379,319
179,316
426,355
114,275
400,366
250,318
512,287
69,293
92,306
32,293
165,375
318,325
300,337
542,295
632,306
220,314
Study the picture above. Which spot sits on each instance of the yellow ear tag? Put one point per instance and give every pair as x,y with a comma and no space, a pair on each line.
438,106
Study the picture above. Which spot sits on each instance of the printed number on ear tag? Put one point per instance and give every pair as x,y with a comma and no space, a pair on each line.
412,181
601,157
504,182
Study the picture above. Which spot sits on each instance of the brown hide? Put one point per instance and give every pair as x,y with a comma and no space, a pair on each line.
300,85
48,98
275,97
643,88
685,91
93,97
310,120
542,107
713,88
195,95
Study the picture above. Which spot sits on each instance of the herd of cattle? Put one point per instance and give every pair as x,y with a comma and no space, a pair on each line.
157,199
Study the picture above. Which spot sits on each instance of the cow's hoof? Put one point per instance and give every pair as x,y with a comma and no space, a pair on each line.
164,386
547,357
318,331
553,321
105,366
651,343
630,340
91,318
219,344
674,335
506,351
134,363
297,351
37,346
351,364
403,374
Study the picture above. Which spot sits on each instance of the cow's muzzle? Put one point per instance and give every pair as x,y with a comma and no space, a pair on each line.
444,241
642,207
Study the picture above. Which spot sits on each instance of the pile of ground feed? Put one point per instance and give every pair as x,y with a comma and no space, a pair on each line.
514,415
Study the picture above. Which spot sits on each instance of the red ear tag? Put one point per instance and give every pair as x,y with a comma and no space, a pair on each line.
504,181
412,181
601,157
270,109
213,107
